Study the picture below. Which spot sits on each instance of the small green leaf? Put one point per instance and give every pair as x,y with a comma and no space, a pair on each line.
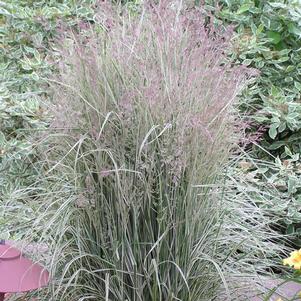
265,21
282,127
260,29
289,68
297,85
253,28
275,91
274,36
284,52
247,62
292,28
284,59
287,151
260,64
273,131
288,79
244,8
267,55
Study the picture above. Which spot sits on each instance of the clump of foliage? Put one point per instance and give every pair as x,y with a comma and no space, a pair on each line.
28,29
133,200
268,37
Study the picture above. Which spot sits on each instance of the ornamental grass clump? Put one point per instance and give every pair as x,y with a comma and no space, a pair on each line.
133,202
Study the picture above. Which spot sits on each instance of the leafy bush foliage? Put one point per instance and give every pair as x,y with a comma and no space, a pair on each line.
27,32
132,200
269,39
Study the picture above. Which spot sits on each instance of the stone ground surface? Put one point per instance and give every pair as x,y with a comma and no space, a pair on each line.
288,291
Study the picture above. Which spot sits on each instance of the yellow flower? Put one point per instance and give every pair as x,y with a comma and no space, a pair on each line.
279,299
294,260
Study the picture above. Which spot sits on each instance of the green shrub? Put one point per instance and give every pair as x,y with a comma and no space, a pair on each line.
133,200
268,37
27,32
